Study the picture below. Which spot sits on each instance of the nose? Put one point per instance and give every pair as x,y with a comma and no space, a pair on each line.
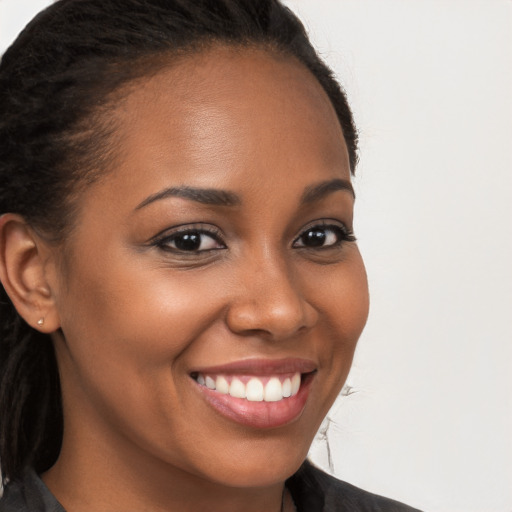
269,302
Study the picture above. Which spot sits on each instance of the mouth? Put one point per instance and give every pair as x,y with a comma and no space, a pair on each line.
252,388
257,393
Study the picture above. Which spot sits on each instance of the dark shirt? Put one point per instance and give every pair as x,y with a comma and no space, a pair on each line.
312,491
315,491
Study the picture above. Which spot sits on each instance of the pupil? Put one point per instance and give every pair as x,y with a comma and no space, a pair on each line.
314,238
188,242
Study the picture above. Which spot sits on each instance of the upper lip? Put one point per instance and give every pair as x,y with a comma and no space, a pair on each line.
261,367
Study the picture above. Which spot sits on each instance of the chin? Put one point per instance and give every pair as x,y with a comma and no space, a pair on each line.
263,464
254,475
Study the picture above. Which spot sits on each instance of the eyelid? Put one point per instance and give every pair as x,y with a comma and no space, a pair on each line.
205,229
348,234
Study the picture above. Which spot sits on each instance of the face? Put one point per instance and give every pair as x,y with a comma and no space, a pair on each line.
216,253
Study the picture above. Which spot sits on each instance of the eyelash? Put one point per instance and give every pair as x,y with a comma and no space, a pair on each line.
163,242
340,231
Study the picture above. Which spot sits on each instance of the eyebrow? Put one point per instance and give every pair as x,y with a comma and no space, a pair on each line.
319,191
216,197
209,196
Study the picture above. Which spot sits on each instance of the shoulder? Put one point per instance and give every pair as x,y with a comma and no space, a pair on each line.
315,491
29,494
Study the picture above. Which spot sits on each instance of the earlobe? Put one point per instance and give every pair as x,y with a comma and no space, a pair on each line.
22,272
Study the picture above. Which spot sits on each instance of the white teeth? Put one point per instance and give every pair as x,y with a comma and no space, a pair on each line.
287,388
273,390
254,390
295,384
210,383
222,385
237,388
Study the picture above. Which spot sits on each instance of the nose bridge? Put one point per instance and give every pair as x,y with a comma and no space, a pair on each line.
269,298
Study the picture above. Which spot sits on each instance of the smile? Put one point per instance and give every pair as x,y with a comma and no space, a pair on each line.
257,393
253,388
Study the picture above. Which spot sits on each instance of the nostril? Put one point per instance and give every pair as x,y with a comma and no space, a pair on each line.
271,305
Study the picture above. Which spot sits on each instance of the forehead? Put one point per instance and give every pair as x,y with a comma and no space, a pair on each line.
226,114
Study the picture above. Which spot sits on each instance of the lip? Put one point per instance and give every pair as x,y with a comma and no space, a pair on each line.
259,415
261,367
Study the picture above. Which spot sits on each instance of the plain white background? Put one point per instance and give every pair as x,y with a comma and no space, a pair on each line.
429,419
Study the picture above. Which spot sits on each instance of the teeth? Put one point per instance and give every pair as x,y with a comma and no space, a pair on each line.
273,390
295,383
210,383
237,388
222,385
287,388
255,390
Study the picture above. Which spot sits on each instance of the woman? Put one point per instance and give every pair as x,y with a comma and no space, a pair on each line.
183,291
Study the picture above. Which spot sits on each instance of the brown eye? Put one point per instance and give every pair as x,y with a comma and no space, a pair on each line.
316,238
323,236
190,241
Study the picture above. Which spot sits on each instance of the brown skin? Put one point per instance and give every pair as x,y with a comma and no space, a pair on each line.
137,319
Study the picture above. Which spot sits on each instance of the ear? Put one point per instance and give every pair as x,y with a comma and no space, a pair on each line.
24,259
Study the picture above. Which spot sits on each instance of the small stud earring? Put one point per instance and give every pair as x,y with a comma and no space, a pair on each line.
40,321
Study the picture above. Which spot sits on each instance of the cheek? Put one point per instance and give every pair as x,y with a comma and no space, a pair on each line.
354,302
346,295
126,329
136,312
344,302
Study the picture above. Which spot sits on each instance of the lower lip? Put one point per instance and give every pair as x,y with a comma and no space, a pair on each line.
261,415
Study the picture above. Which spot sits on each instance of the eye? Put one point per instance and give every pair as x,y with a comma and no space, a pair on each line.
324,236
190,240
